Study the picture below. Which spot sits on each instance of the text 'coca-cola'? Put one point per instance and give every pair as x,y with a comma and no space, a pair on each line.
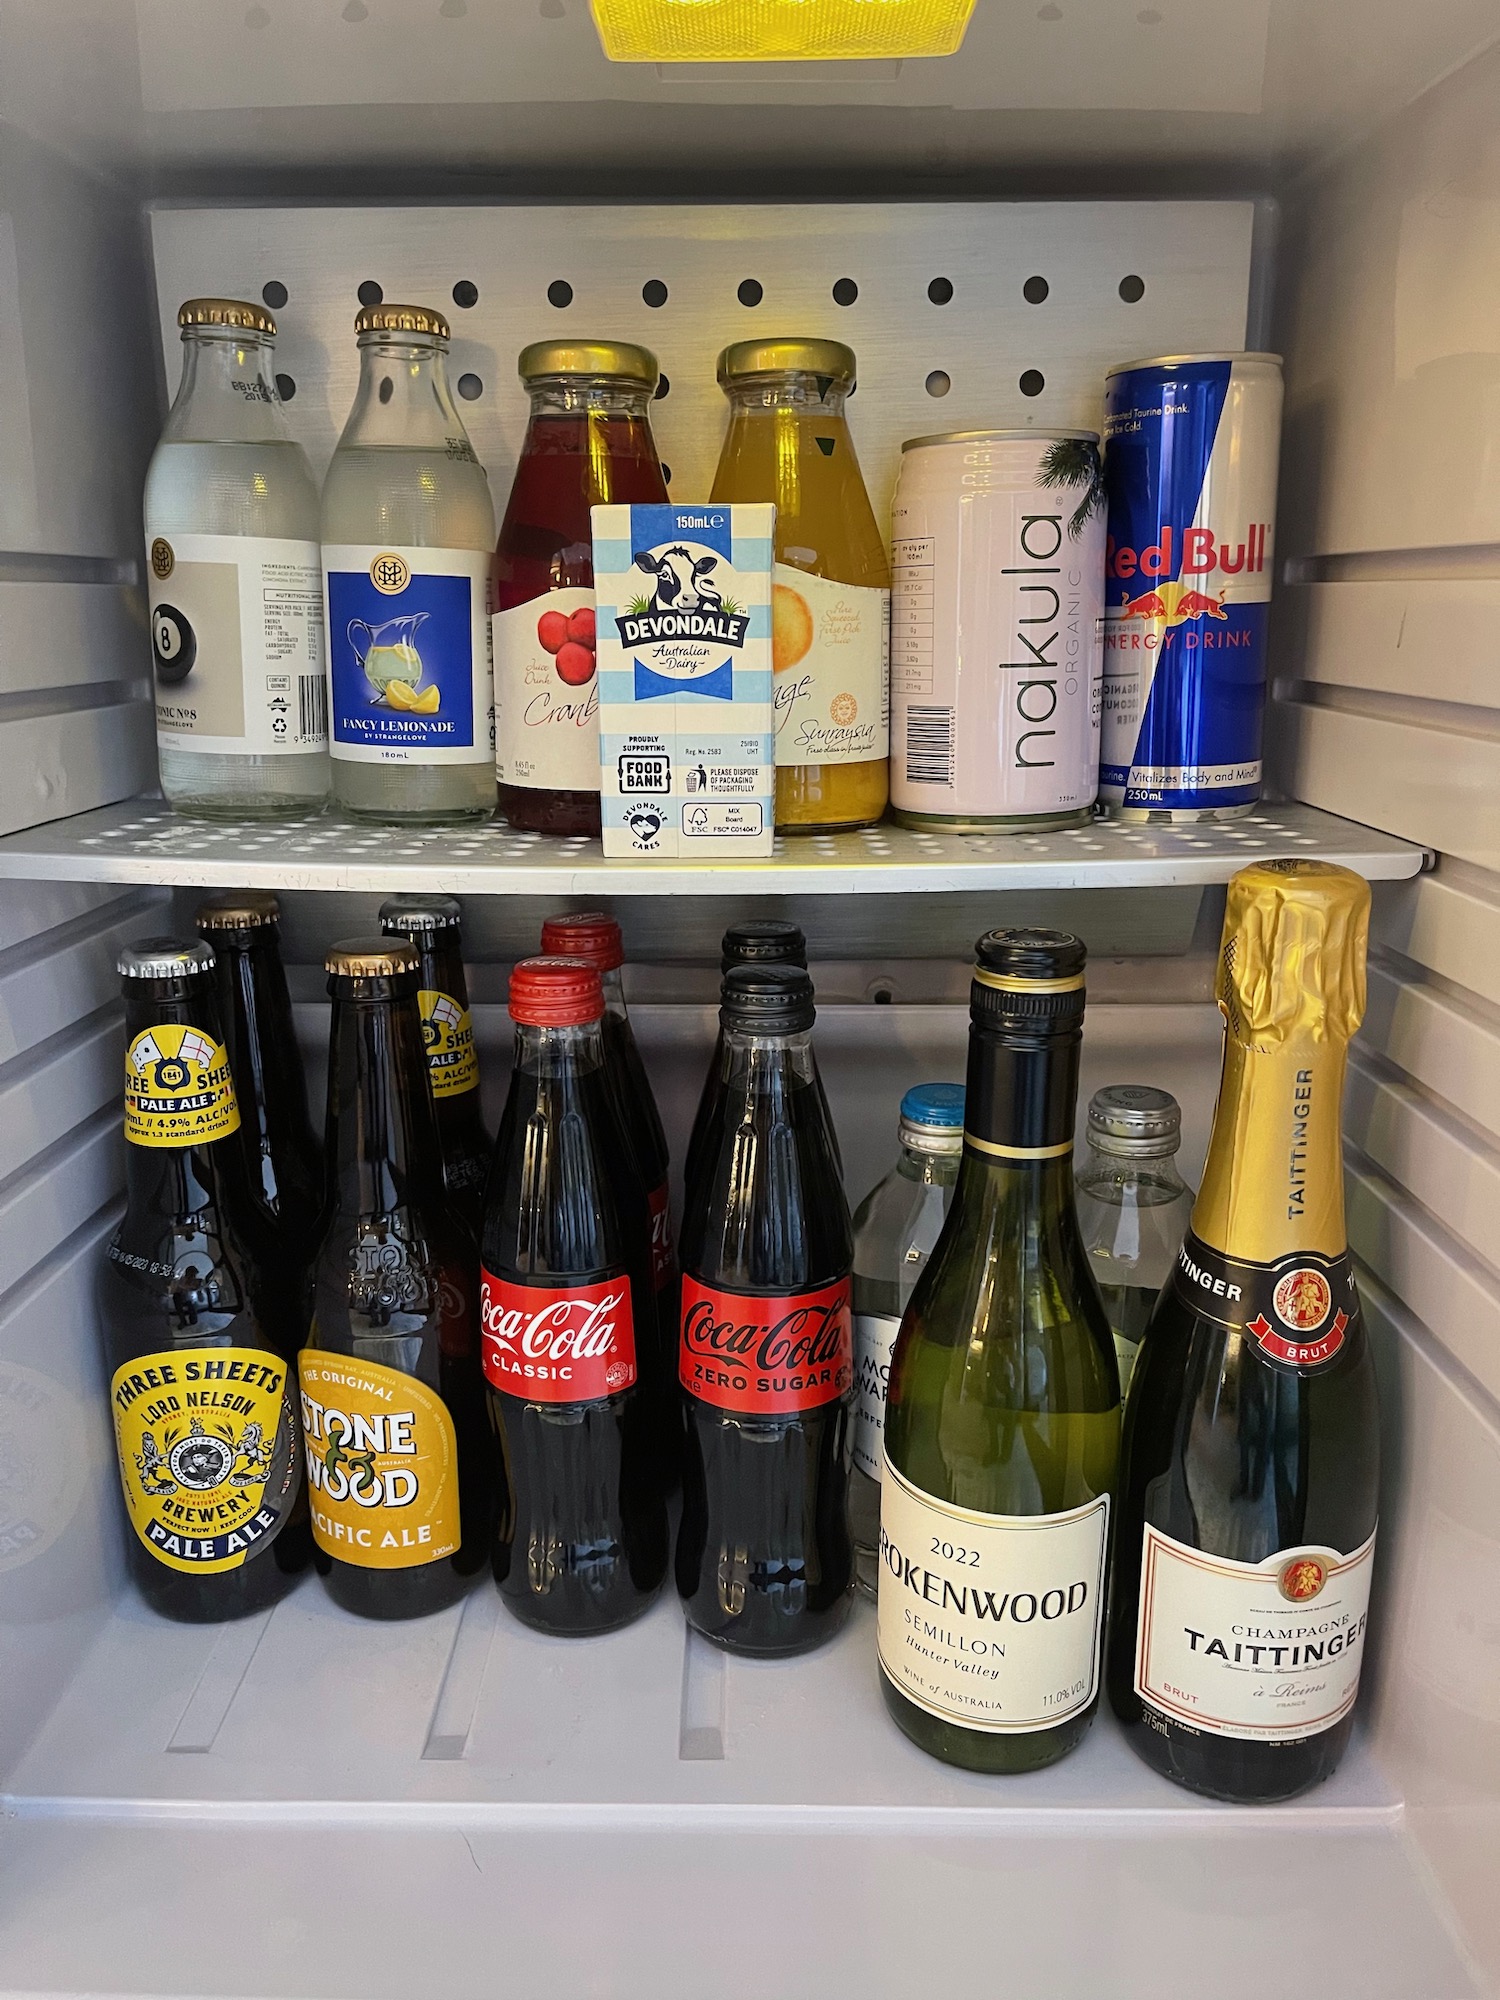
766,1356
558,1344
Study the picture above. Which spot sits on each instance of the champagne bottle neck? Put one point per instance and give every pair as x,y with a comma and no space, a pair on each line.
1274,1180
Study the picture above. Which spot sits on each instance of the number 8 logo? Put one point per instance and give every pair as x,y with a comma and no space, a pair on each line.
174,644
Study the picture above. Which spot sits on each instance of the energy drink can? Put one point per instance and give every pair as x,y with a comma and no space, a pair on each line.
1191,443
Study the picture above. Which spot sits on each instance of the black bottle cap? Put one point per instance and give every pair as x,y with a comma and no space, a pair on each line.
1029,979
767,1000
763,941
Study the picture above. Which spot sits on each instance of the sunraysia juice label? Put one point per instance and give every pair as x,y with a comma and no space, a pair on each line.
687,733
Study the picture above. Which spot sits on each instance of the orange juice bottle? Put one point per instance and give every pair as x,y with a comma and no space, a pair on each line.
830,601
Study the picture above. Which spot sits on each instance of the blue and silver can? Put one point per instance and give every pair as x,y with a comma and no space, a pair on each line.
1191,443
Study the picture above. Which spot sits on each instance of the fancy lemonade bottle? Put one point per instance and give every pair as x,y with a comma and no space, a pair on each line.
788,442
408,534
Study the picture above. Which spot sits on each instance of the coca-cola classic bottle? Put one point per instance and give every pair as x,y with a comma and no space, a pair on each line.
571,1352
763,1553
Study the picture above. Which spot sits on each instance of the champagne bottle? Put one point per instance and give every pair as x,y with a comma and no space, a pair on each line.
1003,1415
1251,1458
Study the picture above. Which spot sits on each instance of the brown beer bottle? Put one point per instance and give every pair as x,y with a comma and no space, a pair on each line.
400,1461
432,925
286,1161
201,1367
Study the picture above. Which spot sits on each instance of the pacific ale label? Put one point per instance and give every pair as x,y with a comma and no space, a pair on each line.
382,1463
448,1035
1298,1310
558,1343
178,1090
1268,1652
200,1432
992,1621
766,1355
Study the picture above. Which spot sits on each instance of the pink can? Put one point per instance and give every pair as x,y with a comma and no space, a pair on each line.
997,630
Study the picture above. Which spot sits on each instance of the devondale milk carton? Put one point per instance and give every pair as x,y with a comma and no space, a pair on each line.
687,742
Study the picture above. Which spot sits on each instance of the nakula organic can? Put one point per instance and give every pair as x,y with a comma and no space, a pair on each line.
1191,443
996,630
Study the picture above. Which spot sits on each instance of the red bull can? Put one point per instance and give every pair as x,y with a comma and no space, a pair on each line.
1191,444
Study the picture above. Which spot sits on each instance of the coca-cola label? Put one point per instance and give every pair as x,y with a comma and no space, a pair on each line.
659,1202
766,1355
558,1343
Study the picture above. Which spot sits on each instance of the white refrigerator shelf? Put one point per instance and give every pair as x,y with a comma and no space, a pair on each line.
143,841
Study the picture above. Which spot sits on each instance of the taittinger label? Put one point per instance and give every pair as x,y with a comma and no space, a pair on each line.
991,1621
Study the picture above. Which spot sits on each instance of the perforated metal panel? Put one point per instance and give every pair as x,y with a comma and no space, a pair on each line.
1185,267
146,842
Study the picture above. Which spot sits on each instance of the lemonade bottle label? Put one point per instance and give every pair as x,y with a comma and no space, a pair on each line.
409,654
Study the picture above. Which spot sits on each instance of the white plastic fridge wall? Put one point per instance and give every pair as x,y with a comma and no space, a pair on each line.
304,1806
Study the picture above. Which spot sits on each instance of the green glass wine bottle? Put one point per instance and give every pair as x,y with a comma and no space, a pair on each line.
1003,1417
1250,1466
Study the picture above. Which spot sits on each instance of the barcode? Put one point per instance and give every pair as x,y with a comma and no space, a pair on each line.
929,746
312,708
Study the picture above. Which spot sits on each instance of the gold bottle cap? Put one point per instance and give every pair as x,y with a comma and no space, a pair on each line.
250,910
1292,960
401,319
374,958
226,312
589,357
828,358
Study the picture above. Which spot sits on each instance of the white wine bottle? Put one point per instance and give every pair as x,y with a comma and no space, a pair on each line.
1250,1461
1003,1415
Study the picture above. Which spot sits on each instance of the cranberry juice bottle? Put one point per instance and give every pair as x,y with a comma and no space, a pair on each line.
589,441
763,1554
570,1345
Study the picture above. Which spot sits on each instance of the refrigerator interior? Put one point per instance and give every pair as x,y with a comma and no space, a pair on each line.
308,1806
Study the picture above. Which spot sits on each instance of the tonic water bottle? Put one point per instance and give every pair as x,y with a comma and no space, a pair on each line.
1133,1205
233,581
896,1227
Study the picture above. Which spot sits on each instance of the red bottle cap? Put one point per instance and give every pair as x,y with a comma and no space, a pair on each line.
555,993
591,936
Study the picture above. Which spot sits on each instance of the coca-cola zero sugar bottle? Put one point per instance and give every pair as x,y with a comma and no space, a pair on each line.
571,1352
763,1555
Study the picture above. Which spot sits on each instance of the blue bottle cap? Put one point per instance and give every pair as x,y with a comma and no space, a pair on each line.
940,1105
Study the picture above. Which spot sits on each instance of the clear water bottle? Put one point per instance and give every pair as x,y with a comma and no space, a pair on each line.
1133,1205
408,540
895,1228
233,581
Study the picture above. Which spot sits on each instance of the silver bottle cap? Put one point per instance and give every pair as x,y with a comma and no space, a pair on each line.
164,958
407,916
1135,1121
